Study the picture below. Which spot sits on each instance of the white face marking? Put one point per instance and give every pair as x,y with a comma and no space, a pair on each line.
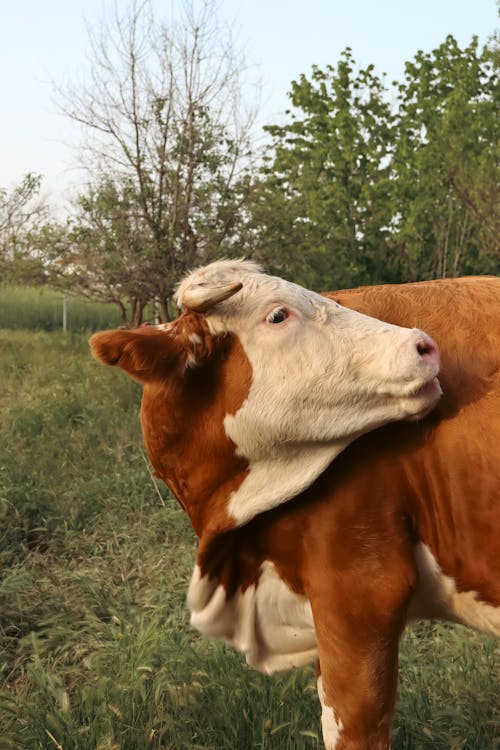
269,623
437,596
322,376
332,727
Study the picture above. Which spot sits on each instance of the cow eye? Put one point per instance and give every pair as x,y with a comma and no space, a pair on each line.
278,315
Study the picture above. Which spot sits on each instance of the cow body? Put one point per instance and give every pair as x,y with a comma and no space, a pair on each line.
357,529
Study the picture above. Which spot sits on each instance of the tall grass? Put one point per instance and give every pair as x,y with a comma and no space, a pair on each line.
96,652
41,309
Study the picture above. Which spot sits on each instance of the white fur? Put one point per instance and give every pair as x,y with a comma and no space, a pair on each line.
332,727
268,622
321,379
437,597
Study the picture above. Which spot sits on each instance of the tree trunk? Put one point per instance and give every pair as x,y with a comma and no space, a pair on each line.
137,304
163,310
123,311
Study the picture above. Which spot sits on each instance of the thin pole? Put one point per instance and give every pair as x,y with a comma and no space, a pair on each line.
65,314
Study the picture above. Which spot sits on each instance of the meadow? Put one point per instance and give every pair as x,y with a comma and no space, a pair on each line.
41,309
96,652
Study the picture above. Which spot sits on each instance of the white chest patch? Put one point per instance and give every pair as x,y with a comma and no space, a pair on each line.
437,596
268,622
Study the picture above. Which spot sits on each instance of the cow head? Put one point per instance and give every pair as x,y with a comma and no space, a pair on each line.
260,383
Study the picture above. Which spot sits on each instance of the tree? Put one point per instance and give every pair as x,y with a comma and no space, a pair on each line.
324,202
167,134
446,162
22,210
355,191
102,251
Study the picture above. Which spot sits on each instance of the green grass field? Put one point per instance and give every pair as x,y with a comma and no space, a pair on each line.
96,652
41,309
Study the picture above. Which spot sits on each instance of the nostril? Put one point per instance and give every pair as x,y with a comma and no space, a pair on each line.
428,349
425,347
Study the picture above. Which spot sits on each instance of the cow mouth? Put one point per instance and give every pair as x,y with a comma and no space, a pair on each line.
428,394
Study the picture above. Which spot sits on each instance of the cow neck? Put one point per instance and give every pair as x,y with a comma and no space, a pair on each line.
183,426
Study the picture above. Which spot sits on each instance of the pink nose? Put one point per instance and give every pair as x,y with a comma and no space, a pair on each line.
428,350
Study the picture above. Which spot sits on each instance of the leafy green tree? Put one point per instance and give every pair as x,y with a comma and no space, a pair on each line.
22,210
324,204
446,161
103,252
355,191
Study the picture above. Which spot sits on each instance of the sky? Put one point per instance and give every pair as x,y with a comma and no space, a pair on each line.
43,44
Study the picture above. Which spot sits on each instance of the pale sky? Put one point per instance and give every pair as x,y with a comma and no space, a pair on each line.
42,41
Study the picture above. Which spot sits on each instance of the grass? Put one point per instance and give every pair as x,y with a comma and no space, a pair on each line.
40,308
96,652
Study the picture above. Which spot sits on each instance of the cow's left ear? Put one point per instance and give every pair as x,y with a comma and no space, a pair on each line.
151,353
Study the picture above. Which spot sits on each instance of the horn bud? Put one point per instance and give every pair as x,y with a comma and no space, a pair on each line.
201,297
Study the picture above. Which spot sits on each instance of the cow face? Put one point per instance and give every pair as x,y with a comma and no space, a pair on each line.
316,376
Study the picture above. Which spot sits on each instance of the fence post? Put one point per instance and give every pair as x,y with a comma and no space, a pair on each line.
65,313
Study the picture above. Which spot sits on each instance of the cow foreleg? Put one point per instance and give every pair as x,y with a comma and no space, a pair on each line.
358,655
357,700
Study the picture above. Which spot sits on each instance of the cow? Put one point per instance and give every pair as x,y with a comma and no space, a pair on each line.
339,466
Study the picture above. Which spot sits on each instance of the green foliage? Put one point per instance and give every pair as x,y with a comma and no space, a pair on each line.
41,308
446,162
21,213
110,253
356,191
95,647
327,182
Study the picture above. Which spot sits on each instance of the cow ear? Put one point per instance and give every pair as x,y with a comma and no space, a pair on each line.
143,355
152,353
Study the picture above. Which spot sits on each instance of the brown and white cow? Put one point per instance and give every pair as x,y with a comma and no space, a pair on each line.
319,535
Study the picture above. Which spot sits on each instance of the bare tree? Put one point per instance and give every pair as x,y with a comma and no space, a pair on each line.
162,112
